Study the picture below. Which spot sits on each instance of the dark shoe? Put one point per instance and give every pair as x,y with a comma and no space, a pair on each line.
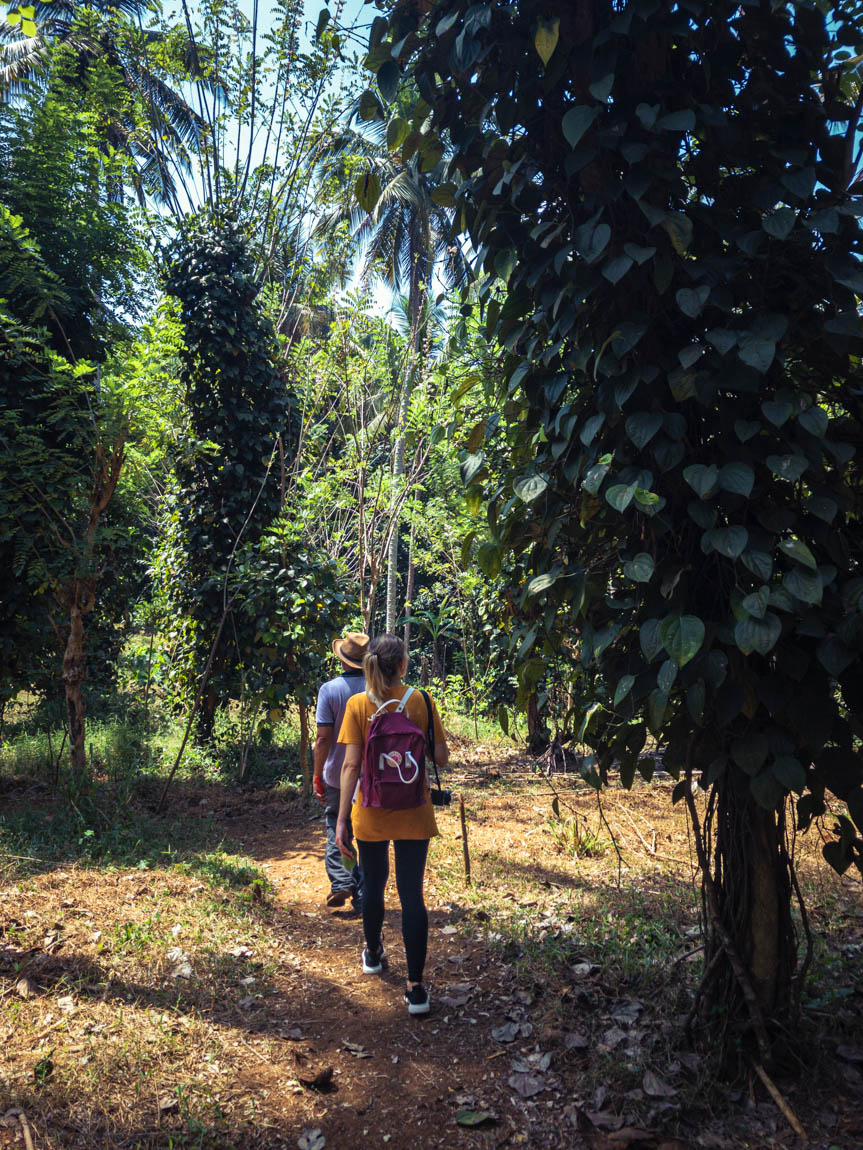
338,897
417,999
373,961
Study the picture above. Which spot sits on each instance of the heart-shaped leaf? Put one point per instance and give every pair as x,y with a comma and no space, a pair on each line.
576,122
682,637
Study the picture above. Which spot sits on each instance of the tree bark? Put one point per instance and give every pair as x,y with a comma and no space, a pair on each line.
304,752
74,673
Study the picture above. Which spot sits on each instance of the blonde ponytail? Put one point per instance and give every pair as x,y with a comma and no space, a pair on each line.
382,665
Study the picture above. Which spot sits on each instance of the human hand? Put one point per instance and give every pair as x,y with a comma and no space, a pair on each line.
318,788
343,839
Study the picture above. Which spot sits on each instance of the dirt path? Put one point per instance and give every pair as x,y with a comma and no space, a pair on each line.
397,1080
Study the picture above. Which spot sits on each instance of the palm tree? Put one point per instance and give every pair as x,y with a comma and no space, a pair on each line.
406,238
158,126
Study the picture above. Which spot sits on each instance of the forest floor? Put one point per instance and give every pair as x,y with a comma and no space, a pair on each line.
198,1003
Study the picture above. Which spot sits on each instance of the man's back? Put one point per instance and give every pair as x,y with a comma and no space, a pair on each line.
332,701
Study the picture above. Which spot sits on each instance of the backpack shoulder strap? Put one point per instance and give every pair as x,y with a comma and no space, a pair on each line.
404,701
430,736
384,706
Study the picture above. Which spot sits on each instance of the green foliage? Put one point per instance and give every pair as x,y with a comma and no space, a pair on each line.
680,247
229,488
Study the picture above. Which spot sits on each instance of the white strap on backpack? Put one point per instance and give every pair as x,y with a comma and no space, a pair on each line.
401,703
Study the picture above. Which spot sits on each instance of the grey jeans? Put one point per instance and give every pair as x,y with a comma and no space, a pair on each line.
340,877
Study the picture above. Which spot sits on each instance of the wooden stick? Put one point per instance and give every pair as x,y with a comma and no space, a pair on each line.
780,1102
464,844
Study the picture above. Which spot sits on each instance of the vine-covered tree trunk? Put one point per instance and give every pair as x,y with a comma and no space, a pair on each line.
747,889
74,672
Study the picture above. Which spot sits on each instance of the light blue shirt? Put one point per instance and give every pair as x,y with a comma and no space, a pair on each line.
332,702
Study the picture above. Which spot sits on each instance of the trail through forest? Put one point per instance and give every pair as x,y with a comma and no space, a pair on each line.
194,1005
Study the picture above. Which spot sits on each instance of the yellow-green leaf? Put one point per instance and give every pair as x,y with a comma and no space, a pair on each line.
545,40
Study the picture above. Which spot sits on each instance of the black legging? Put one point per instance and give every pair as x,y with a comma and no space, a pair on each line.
410,868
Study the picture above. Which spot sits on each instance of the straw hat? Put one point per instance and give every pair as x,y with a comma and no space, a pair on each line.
351,649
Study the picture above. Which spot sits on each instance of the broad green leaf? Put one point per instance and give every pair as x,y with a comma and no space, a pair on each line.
745,429
729,541
759,563
789,773
591,427
601,89
370,107
800,181
471,466
750,752
757,635
692,300
576,122
682,121
624,686
680,231
682,637
657,703
542,582
389,75
804,585
695,698
789,467
822,507
650,638
530,488
616,268
367,190
488,560
666,675
738,478
545,40
722,340
472,1118
756,602
702,479
798,551
642,426
639,254
815,420
766,791
639,568
397,132
621,495
777,411
779,223
756,352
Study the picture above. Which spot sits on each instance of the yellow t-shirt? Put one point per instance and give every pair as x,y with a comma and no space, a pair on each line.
375,824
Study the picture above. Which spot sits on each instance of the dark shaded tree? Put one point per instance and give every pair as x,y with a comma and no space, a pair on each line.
230,479
668,193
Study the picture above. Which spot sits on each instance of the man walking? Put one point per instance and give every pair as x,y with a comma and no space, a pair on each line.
329,753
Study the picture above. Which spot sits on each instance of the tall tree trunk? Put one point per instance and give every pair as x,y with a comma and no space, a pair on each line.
74,673
304,752
78,597
409,591
416,298
746,889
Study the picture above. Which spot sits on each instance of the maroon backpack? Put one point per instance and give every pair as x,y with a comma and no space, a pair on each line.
394,763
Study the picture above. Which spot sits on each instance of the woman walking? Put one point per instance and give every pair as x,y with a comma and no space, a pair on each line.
409,828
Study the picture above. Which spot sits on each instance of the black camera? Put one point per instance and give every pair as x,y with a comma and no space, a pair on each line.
440,798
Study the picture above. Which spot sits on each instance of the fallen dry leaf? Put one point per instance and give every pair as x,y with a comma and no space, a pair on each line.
526,1085
26,988
355,1049
655,1087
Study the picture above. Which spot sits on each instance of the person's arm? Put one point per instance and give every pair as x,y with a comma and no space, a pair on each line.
323,746
348,784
